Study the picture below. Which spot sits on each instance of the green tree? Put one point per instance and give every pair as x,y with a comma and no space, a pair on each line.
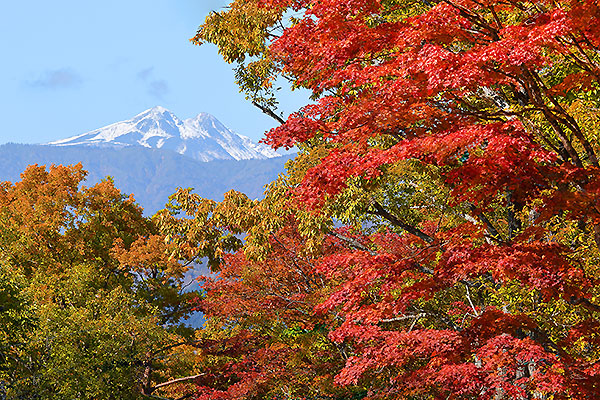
92,300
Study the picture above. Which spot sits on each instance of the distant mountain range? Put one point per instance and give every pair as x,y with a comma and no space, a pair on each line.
203,138
154,153
152,175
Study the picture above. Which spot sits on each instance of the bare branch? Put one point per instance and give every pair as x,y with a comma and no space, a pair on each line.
471,301
403,318
268,111
382,212
352,242
491,229
148,392
585,303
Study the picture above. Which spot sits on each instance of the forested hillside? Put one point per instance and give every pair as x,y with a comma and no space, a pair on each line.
437,236
151,175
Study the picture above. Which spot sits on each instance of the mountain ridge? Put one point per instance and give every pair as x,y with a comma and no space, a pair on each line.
203,137
151,175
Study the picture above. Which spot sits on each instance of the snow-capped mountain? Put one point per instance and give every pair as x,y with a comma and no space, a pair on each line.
203,138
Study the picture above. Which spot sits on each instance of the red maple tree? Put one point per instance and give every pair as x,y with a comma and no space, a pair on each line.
459,138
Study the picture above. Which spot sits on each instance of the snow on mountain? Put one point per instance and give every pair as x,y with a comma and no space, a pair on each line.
203,137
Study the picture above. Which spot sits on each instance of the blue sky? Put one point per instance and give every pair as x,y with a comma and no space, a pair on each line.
70,66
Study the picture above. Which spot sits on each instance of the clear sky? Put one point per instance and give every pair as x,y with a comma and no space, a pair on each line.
71,66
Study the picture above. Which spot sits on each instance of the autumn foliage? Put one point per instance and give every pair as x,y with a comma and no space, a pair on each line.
91,301
457,142
437,235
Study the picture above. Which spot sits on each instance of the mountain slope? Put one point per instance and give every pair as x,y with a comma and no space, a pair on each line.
150,174
203,138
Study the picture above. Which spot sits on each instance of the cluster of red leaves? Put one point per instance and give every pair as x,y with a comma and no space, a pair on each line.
461,85
271,335
474,352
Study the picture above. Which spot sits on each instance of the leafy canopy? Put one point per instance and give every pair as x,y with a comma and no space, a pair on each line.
91,301
458,141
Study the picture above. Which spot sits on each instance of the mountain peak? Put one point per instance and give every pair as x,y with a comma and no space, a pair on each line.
158,109
154,111
203,137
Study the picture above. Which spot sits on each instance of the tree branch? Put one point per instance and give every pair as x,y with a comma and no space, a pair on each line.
402,318
149,391
171,346
268,111
382,212
585,303
352,242
491,229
